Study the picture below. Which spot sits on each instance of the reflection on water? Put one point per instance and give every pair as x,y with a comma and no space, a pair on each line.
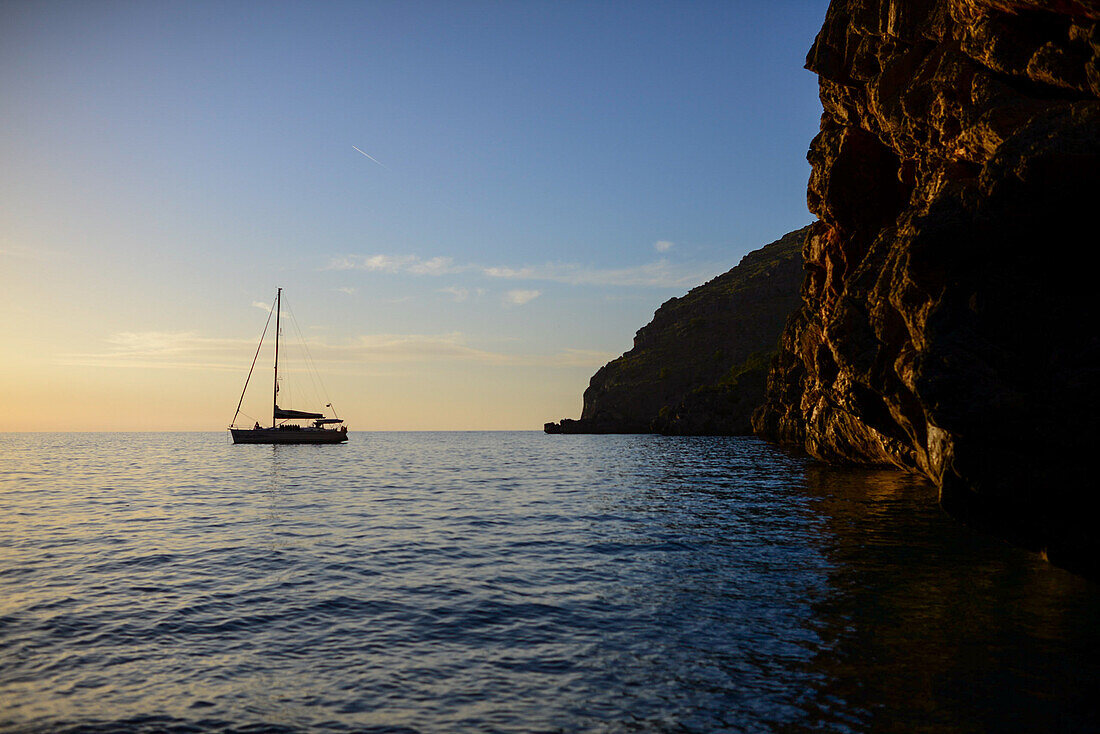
514,582
929,625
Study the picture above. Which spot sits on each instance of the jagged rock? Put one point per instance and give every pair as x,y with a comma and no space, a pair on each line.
947,318
700,366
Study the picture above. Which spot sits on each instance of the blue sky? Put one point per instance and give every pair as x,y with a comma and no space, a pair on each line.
547,174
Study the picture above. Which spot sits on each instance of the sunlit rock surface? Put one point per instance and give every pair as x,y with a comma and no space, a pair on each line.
700,366
947,323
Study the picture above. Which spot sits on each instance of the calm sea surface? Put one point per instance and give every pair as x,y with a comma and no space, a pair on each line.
514,582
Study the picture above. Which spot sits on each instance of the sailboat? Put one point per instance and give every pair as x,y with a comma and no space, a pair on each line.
284,426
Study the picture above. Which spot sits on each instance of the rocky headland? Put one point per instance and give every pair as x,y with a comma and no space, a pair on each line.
946,320
700,366
946,324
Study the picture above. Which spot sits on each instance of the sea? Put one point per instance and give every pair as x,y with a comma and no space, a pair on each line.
514,582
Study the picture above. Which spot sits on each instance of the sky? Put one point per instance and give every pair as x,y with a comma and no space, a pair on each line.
470,206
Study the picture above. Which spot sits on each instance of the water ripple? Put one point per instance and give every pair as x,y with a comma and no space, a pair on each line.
513,582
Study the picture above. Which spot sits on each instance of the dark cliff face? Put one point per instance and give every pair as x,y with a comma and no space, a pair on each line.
948,317
700,366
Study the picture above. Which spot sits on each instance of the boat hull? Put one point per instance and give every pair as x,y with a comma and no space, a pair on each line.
287,435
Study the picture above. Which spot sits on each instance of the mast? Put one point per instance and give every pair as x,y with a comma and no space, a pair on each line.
275,389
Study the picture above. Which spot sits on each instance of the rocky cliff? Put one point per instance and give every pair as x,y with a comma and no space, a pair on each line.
947,324
700,366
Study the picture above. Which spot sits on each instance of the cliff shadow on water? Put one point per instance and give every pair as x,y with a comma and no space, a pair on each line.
924,625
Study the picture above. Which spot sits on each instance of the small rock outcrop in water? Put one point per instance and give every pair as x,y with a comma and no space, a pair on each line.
700,366
948,323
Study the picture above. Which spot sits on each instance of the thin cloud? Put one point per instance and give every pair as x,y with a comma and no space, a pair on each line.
434,266
503,272
521,297
658,274
346,290
159,349
409,348
165,342
261,305
663,245
192,351
458,295
374,263
412,264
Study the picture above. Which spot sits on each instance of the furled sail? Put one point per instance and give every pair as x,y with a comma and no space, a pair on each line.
295,414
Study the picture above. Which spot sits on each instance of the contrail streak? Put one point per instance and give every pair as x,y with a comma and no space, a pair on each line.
368,155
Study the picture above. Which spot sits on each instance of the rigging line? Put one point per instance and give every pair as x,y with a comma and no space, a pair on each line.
314,373
305,353
309,368
314,376
254,357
